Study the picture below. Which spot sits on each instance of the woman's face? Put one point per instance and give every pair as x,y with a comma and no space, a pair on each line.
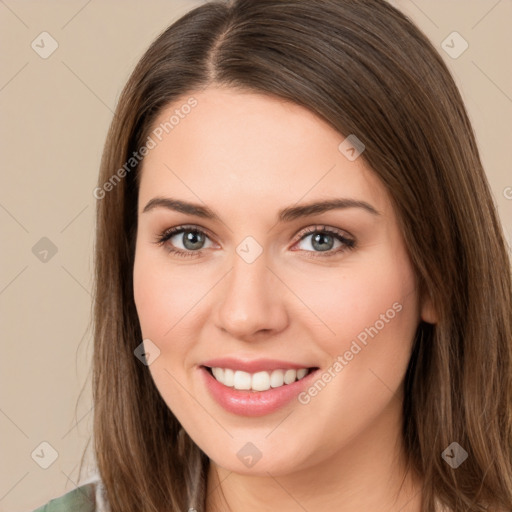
265,287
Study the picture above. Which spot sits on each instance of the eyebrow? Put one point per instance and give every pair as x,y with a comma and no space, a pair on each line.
285,215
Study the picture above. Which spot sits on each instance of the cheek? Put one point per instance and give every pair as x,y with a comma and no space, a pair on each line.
164,301
372,315
165,297
369,315
358,298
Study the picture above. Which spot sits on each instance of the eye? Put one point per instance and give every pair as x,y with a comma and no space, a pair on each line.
191,238
323,239
318,241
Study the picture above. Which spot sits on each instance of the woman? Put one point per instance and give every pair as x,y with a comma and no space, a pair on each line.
303,295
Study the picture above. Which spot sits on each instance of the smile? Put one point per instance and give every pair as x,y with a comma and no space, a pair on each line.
259,381
255,388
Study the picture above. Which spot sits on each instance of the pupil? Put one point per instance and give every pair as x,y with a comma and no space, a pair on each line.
193,240
322,241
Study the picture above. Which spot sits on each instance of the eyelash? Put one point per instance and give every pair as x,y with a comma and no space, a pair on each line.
348,244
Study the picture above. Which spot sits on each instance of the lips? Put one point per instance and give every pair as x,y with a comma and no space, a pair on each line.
255,388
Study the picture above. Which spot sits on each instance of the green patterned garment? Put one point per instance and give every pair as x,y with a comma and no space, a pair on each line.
81,499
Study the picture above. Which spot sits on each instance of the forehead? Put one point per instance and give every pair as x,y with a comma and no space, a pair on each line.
249,147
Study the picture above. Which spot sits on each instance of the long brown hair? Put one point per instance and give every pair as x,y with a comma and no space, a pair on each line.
367,70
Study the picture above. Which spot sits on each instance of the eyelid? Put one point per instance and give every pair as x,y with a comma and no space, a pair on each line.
315,228
169,232
348,241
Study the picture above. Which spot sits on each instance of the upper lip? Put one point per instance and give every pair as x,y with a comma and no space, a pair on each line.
253,366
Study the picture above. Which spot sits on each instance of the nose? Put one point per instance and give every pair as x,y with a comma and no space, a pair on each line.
251,302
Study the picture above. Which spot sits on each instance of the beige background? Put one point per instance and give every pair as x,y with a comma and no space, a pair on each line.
55,115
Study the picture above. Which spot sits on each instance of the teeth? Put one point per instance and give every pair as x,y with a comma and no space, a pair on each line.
290,376
277,378
301,373
229,377
218,373
260,381
242,380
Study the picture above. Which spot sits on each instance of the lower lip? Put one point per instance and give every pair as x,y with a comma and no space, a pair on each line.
254,403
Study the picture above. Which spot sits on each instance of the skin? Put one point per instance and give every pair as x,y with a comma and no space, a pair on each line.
246,156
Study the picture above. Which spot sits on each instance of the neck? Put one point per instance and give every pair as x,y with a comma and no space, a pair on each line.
367,473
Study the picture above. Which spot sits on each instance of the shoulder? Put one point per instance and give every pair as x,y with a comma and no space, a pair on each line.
85,498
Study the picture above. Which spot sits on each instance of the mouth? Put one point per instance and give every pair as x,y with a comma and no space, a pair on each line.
259,381
256,388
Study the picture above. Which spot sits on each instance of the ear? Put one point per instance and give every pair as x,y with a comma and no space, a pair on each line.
428,311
